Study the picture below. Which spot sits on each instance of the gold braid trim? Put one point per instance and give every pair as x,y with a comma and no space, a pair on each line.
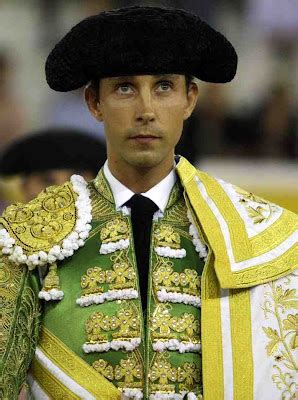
19,325
49,384
76,368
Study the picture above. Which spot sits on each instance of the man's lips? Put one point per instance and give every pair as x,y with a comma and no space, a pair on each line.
144,138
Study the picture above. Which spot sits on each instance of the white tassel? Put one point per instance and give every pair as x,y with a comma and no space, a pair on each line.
110,295
168,252
52,294
174,344
128,345
107,248
175,297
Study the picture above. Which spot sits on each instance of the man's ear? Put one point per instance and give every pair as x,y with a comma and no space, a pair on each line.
192,98
92,101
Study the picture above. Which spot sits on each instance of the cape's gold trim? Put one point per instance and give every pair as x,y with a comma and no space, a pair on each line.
243,248
241,344
211,334
76,368
49,383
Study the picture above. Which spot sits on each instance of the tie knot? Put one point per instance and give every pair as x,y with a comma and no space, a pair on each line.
142,204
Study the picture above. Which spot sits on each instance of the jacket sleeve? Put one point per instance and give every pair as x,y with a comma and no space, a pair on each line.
19,325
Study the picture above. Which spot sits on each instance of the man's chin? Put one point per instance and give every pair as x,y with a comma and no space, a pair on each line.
144,160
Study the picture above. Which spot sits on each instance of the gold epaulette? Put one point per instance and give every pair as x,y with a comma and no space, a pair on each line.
48,228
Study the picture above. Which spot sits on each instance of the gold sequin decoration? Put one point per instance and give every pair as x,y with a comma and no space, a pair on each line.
120,276
164,277
125,325
127,374
164,326
114,230
165,236
90,283
163,375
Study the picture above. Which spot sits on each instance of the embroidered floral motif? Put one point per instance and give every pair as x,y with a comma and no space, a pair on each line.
121,276
119,281
114,230
184,329
123,328
188,281
167,242
127,374
282,342
90,282
164,376
189,376
258,209
104,368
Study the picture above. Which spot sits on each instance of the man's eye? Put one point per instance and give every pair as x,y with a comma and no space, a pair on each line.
165,86
123,88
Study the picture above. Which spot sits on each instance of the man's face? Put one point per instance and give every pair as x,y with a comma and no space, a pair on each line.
143,116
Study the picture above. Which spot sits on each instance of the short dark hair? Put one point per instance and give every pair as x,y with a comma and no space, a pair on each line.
94,83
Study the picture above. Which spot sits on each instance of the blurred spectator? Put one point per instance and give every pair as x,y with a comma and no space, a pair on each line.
213,131
50,157
277,125
69,110
11,114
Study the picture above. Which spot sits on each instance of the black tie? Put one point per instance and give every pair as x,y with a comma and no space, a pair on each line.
142,210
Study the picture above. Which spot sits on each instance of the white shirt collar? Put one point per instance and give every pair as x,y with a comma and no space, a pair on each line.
159,193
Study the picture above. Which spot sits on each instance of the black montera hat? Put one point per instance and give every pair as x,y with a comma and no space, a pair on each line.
53,148
140,40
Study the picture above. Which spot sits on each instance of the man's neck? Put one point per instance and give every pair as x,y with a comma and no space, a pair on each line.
140,180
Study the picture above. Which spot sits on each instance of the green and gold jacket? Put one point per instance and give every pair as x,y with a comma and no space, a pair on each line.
221,318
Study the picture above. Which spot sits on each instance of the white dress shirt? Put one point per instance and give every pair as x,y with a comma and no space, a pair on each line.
159,193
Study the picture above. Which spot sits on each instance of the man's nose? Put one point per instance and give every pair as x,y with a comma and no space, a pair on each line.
145,109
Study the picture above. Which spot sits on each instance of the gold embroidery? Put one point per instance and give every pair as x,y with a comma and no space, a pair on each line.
19,323
44,221
260,213
104,368
185,328
189,376
90,282
127,374
165,236
102,186
76,368
283,340
185,282
114,230
120,276
162,374
101,207
52,280
125,325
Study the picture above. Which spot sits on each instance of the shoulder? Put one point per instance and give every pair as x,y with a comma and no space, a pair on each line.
50,227
255,213
254,240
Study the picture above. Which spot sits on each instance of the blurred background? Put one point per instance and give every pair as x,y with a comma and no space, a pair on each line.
245,132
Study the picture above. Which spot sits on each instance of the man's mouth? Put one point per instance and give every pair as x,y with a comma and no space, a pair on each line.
144,138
